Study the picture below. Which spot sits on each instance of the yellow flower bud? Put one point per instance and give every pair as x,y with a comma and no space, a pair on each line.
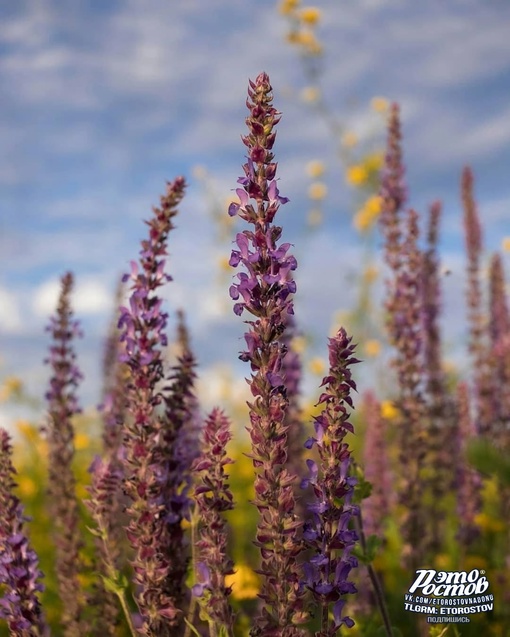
317,191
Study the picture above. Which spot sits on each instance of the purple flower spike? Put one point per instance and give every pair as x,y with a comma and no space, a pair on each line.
147,460
19,565
213,497
62,406
264,289
327,533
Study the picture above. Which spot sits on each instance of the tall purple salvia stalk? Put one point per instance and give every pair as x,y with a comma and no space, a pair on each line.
328,533
469,484
147,457
478,338
19,565
213,497
264,290
181,433
499,333
404,305
440,405
376,507
62,502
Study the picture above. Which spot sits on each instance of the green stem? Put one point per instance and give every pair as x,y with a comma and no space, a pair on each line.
375,581
123,602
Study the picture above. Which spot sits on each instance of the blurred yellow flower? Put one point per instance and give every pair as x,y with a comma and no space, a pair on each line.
310,15
315,168
443,561
505,244
81,441
373,162
372,348
379,104
223,262
356,175
373,205
288,6
310,94
314,217
486,523
12,386
317,366
244,582
366,216
26,486
370,274
317,191
474,561
362,221
27,430
349,139
388,410
298,344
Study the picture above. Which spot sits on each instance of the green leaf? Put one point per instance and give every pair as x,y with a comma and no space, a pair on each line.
192,628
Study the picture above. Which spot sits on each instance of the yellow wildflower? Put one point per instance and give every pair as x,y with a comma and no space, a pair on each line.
244,582
486,523
388,410
370,274
27,487
27,430
505,244
310,94
310,15
12,387
372,348
81,441
317,366
317,191
315,168
349,139
356,175
474,561
362,221
443,561
298,344
223,262
373,162
288,6
373,205
379,104
314,217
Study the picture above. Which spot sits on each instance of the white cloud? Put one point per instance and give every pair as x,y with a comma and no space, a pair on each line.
90,297
10,316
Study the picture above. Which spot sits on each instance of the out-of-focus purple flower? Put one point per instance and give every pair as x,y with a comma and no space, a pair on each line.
264,289
62,406
181,433
327,532
213,497
499,332
19,565
479,347
147,458
469,483
376,507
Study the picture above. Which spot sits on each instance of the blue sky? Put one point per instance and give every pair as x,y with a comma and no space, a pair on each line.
101,102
